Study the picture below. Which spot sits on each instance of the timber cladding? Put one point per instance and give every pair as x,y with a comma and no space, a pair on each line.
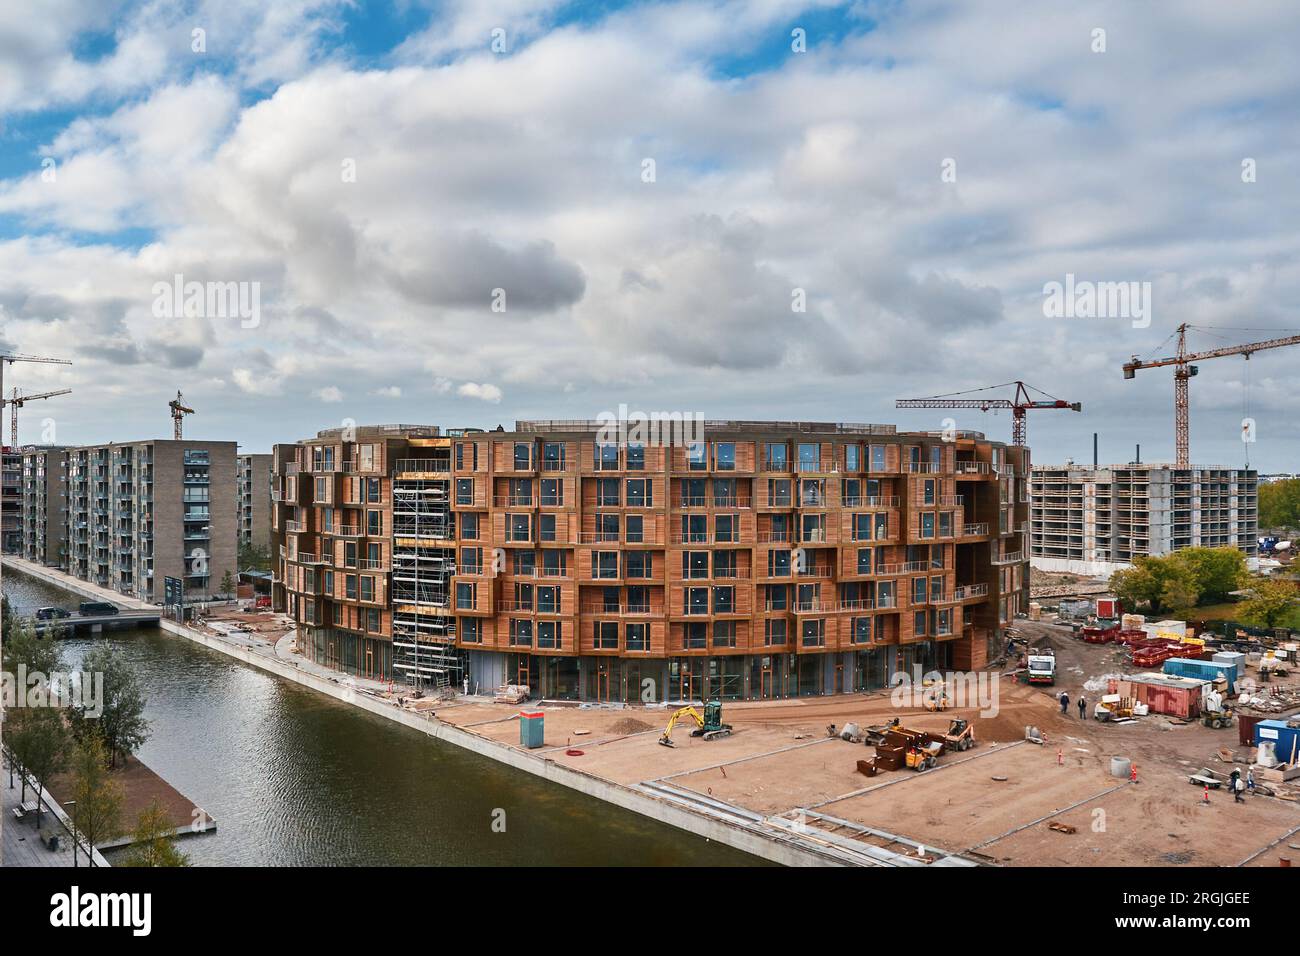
796,539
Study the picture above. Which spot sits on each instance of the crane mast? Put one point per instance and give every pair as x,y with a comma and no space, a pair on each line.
1184,370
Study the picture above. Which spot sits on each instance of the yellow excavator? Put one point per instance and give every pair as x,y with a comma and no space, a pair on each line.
709,725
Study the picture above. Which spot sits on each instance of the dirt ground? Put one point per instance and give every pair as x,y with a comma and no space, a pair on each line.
140,786
993,803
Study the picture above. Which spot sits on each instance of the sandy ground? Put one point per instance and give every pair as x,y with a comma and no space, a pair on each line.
993,803
140,787
779,759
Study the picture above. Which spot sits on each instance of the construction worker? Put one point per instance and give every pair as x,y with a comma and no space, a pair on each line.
1065,704
1250,779
1083,705
1238,788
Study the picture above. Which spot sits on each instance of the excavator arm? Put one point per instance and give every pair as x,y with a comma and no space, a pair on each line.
691,712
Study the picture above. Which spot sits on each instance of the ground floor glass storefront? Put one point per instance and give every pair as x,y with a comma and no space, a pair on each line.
732,677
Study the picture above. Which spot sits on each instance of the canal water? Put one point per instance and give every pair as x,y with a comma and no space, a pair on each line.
296,779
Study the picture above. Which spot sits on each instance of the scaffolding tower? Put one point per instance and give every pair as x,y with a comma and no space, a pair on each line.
424,560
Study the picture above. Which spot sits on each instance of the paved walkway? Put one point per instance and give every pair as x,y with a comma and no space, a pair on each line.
21,844
246,640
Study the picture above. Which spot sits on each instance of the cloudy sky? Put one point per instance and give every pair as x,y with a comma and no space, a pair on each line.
471,211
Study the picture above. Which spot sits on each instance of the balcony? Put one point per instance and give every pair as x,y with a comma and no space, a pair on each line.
974,530
1013,557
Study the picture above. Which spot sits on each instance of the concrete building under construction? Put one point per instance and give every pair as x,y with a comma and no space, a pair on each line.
768,559
1097,520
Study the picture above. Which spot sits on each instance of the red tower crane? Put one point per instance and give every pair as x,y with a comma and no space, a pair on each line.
1020,404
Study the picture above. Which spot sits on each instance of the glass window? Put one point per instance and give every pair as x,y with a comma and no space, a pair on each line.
778,563
635,456
465,595
546,527
523,456
605,635
606,564
814,633
606,457
639,494
464,491
862,630
724,454
553,456
697,456
877,457
852,458
607,492
724,634
635,529
639,564
695,564
697,601
927,524
809,456
776,457
552,491
774,631
548,634
636,637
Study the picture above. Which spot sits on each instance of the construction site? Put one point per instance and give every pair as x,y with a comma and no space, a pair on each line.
1016,783
930,777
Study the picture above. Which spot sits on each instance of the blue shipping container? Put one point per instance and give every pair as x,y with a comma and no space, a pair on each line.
1285,740
1202,670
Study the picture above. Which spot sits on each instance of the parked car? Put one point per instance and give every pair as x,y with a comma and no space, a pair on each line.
52,613
97,608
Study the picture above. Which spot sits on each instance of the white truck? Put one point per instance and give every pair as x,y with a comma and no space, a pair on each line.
1041,665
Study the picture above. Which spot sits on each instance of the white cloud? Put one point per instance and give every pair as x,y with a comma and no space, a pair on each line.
483,392
523,172
330,393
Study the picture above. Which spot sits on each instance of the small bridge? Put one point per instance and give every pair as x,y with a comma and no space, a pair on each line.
81,623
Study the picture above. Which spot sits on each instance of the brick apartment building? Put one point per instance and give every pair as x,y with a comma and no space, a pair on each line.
771,559
11,500
142,511
253,500
44,505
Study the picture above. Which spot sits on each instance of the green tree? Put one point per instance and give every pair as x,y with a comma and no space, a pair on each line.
121,723
97,812
228,584
154,842
1279,504
1217,571
1269,604
1162,583
37,739
25,649
254,558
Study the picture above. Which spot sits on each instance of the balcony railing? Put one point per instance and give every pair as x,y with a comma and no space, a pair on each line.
408,465
974,530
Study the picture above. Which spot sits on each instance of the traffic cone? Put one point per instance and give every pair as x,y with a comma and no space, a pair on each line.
1206,800
1060,761
1133,773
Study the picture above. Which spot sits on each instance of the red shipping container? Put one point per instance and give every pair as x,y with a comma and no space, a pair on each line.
1109,607
1163,697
